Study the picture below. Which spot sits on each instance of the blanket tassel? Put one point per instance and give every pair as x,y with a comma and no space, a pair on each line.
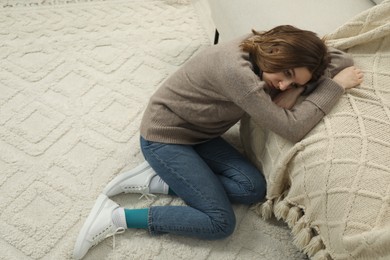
299,225
314,246
294,214
281,210
263,210
303,238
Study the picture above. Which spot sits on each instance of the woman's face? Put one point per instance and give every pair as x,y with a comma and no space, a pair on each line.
287,79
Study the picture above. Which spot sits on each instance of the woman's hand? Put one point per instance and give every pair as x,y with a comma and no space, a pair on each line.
349,77
288,98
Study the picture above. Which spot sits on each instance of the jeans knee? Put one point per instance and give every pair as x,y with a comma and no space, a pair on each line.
257,193
223,226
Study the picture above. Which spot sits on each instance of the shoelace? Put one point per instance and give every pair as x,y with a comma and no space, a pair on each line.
119,230
148,196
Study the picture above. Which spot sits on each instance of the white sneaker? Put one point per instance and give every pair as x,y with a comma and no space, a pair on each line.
136,180
97,227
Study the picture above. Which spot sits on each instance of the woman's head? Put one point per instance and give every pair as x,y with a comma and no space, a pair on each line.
285,47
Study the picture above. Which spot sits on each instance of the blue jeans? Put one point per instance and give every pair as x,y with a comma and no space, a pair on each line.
208,177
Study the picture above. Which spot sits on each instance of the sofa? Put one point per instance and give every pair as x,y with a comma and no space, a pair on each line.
333,187
233,18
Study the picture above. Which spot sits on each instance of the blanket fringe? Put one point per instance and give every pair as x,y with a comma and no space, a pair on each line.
281,210
298,226
305,237
294,214
264,210
314,246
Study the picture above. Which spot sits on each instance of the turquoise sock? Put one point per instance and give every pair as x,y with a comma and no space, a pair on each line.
137,218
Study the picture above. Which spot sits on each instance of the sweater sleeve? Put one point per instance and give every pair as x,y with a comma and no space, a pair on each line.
339,61
292,124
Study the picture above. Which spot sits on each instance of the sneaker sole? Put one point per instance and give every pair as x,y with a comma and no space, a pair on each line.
97,207
121,177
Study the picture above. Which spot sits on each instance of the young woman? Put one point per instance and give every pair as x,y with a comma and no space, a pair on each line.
261,74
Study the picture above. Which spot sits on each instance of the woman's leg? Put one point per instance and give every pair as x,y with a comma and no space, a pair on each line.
205,176
242,181
209,214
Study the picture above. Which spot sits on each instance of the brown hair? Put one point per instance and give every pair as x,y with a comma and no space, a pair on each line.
286,47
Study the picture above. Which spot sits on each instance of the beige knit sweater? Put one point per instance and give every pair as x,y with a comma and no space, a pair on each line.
213,90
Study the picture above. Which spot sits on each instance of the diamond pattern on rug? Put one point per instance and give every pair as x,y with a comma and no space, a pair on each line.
75,79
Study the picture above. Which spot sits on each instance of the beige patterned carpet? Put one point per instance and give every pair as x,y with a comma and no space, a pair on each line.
75,77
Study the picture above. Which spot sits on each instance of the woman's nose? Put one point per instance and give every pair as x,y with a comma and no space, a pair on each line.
285,84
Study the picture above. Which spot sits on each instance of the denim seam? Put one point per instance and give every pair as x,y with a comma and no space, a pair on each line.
252,186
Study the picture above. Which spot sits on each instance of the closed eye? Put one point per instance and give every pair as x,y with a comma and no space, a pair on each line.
288,73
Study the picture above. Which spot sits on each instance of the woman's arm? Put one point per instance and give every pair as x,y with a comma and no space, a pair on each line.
243,87
339,61
288,98
293,124
347,78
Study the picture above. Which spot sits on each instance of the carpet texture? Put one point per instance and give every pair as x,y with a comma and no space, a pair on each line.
75,77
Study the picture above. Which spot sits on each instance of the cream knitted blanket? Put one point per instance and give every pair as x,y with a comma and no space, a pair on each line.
333,187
